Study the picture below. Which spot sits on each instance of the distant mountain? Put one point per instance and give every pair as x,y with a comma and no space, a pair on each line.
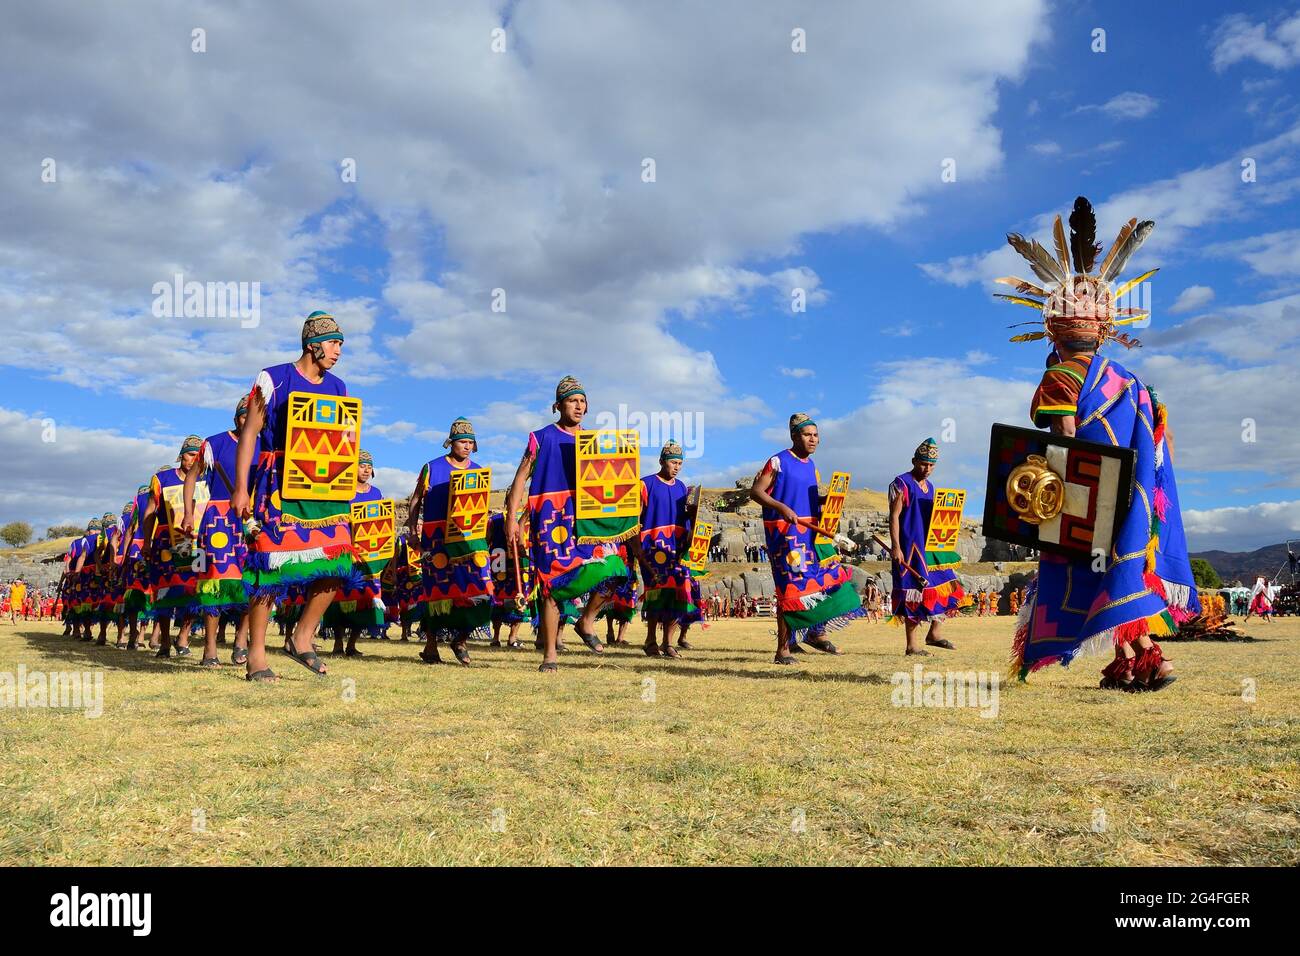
1244,565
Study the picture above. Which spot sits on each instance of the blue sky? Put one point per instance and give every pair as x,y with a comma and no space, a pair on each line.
522,170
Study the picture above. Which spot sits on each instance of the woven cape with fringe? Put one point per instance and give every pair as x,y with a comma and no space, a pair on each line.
670,593
505,608
925,586
1147,586
360,605
172,578
813,592
566,567
297,542
455,576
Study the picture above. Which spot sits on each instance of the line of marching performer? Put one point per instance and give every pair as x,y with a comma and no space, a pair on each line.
278,518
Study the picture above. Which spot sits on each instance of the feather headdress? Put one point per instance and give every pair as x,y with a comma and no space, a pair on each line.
1076,303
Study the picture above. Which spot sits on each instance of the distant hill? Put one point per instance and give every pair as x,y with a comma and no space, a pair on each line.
1244,565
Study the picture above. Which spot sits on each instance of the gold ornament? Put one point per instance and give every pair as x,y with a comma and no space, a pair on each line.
1034,491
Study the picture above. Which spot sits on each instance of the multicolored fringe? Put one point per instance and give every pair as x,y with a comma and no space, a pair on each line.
599,575
274,573
1016,669
216,596
1162,624
445,619
943,600
824,611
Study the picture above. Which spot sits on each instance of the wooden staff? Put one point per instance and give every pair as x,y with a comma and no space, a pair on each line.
844,541
520,603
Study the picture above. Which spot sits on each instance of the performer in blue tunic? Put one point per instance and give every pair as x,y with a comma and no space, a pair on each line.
924,589
813,590
670,600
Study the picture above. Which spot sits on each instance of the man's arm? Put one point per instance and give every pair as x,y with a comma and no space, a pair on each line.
415,505
244,454
147,525
895,536
191,479
1062,425
759,491
516,495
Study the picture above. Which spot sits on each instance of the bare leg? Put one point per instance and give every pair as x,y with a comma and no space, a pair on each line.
550,630
211,624
587,623
259,615
782,640
911,628
319,597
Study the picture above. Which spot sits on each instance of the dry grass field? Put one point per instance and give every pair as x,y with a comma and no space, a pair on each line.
718,758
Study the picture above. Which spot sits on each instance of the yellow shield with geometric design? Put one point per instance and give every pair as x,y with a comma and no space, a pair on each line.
174,499
833,506
320,447
608,468
467,505
698,556
945,519
374,532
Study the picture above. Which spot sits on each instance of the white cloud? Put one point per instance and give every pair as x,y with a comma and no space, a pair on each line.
1124,106
395,483
1191,298
1270,254
521,173
875,441
81,474
397,431
798,372
1047,148
1180,205
1243,527
1237,39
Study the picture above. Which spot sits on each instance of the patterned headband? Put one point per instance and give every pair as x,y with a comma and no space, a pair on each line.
798,422
462,428
320,327
568,387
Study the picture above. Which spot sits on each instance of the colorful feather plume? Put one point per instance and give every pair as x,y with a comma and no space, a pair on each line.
1121,252
1062,253
1022,286
1125,231
1019,300
1044,266
1132,282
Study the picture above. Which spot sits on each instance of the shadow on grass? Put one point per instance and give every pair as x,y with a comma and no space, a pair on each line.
778,672
57,647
